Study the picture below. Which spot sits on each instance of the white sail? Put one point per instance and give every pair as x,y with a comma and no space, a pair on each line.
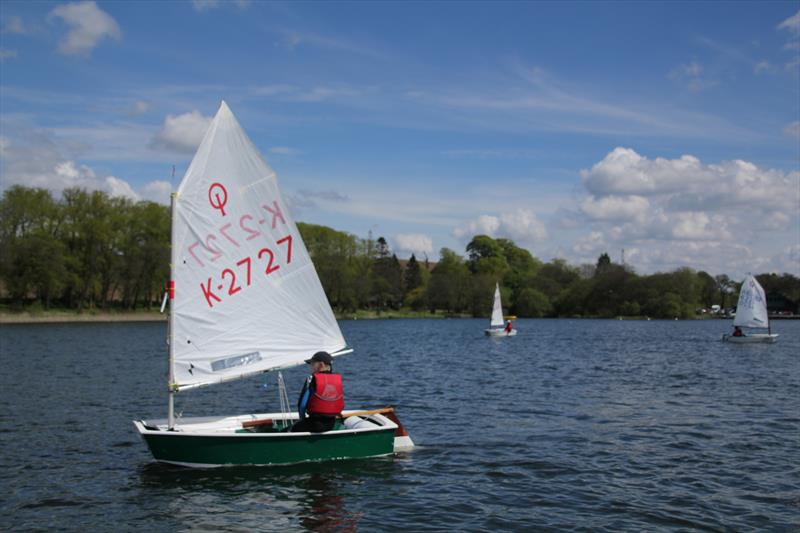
247,297
497,309
751,311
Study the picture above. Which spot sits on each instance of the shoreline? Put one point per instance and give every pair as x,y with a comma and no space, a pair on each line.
65,317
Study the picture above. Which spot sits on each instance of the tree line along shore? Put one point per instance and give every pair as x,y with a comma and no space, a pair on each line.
104,258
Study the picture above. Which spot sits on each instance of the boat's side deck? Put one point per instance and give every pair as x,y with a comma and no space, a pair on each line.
751,338
259,423
282,426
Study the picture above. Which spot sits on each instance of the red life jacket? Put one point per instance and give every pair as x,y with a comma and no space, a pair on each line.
328,398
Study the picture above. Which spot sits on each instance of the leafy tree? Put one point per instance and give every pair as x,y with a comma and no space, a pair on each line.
707,289
387,279
449,284
87,249
481,294
725,288
486,257
521,265
668,305
413,274
629,308
532,303
603,264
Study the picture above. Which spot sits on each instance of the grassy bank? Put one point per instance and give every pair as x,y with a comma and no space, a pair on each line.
64,316
368,314
33,316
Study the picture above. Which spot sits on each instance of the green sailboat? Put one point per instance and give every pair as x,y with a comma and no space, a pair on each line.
245,299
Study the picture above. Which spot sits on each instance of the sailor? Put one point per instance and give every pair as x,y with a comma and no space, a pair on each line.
322,397
509,327
737,331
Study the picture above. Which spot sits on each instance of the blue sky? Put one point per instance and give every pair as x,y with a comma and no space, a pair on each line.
671,130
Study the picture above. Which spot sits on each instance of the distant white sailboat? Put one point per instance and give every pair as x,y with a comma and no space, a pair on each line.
497,327
751,313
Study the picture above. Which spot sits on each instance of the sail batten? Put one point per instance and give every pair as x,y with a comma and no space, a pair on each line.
247,298
751,310
497,309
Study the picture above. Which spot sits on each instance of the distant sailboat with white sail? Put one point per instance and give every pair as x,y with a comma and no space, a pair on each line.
751,313
497,326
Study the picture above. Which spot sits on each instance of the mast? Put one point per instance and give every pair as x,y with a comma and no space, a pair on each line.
170,325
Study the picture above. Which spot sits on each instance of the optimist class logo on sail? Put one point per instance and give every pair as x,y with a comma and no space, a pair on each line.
243,241
217,192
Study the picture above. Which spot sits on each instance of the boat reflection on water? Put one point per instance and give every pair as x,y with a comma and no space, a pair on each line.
325,509
311,496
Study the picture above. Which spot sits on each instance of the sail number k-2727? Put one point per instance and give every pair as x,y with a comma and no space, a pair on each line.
234,278
266,257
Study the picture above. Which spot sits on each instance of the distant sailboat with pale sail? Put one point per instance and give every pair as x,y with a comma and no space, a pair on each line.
245,299
751,313
497,325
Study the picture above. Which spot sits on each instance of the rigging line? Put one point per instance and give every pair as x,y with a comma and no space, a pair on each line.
284,401
288,406
185,406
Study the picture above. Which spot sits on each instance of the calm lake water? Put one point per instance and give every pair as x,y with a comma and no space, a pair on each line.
573,424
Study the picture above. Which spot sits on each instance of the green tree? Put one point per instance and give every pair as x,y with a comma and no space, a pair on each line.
448,288
668,305
343,271
532,303
603,264
387,279
725,289
629,308
486,257
707,288
413,274
481,294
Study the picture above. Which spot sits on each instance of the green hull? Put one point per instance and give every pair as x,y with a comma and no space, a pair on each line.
268,448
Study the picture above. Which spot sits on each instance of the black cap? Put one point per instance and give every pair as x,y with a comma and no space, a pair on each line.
322,357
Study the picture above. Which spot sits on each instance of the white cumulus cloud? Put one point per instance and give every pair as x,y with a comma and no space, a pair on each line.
792,23
623,171
483,225
157,191
520,225
615,207
182,133
88,25
117,187
592,245
682,211
687,184
38,161
415,243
